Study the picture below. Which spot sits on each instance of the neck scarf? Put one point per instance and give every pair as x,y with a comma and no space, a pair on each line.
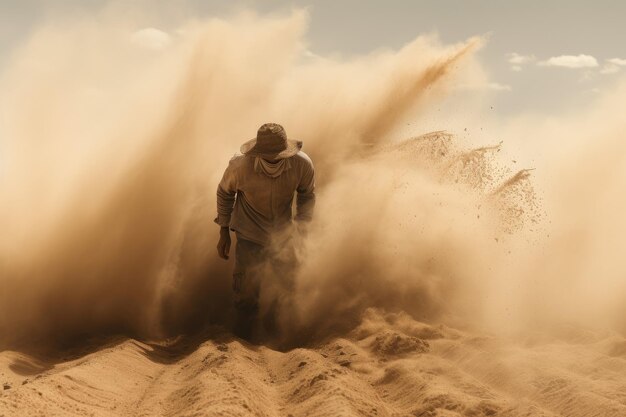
272,170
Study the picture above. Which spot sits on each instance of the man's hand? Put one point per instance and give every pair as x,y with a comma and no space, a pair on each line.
223,246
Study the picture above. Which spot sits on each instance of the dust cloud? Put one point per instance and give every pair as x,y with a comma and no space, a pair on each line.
111,153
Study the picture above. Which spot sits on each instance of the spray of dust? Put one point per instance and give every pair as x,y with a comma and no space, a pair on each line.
112,152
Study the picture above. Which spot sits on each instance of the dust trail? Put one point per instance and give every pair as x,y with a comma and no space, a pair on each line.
573,274
403,231
109,197
401,97
102,208
112,159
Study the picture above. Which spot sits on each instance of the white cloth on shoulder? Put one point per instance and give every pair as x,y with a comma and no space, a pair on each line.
272,170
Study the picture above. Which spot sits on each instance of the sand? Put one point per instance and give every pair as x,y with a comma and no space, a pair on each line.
391,365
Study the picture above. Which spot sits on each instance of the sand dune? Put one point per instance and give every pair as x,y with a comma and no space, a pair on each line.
391,365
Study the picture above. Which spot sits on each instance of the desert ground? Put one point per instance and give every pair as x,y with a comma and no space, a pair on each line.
390,365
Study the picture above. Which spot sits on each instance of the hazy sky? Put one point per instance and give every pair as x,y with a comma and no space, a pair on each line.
567,50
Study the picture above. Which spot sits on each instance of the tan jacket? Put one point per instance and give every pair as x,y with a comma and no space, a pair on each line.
255,205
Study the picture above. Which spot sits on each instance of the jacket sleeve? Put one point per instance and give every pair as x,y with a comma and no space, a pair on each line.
226,193
305,200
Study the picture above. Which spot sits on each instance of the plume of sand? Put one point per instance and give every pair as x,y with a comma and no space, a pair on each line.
572,271
112,160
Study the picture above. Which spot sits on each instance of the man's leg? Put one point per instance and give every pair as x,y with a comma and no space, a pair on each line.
282,266
249,257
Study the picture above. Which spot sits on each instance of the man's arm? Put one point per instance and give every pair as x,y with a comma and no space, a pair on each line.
225,204
305,200
226,194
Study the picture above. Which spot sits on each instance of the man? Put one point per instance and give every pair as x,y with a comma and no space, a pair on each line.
254,199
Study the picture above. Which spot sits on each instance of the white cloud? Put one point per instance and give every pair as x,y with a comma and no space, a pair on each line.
518,59
617,61
499,87
151,38
571,61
